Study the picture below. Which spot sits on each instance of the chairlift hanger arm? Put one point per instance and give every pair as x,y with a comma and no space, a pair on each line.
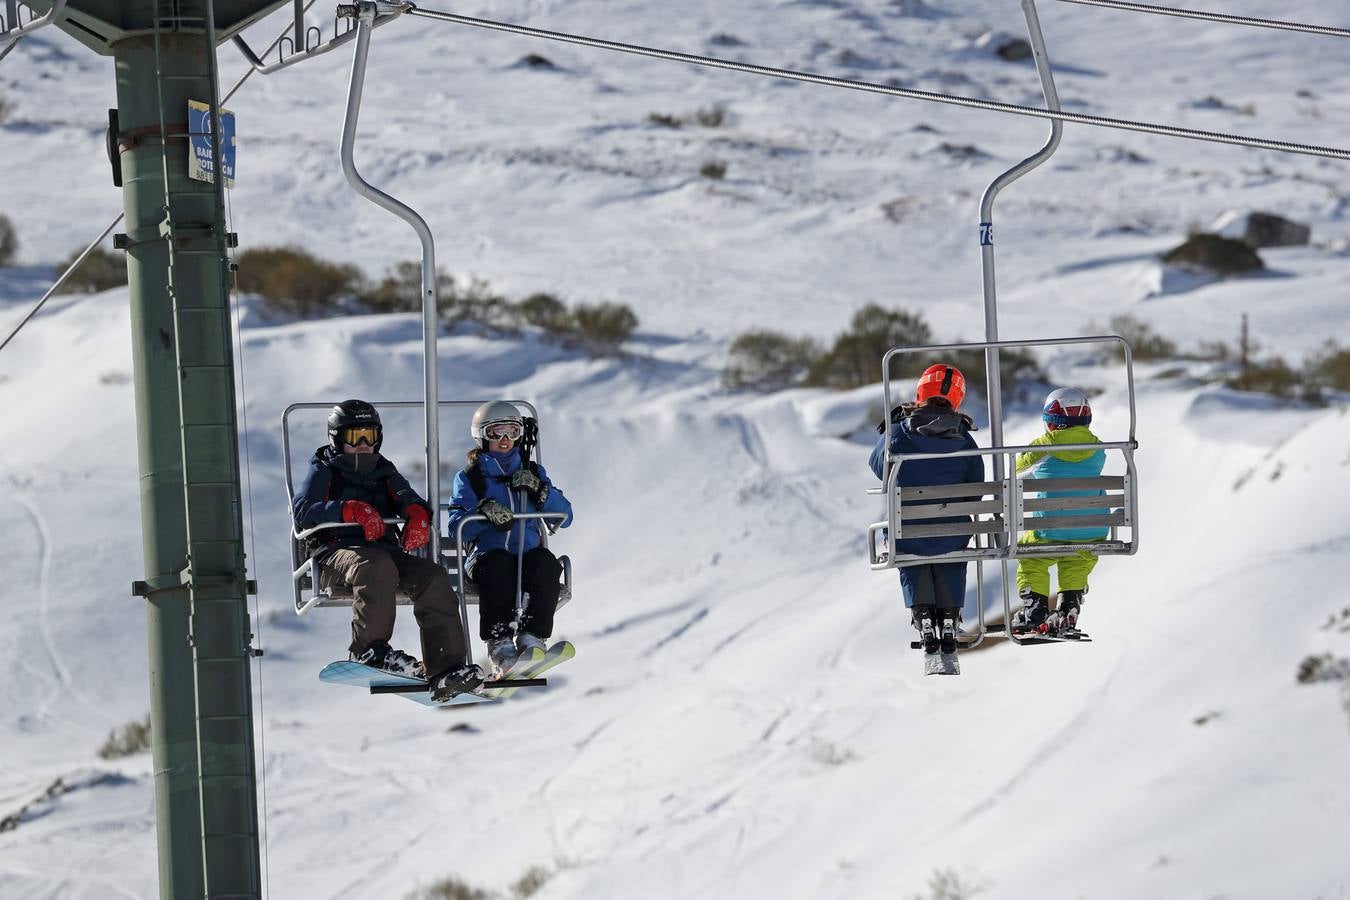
16,31
1194,134
1215,17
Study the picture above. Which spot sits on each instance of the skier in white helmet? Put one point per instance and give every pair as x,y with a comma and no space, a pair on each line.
1066,414
499,482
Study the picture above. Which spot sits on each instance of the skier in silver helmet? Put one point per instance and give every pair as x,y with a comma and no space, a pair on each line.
499,482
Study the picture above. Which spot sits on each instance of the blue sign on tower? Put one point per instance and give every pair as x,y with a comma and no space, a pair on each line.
199,143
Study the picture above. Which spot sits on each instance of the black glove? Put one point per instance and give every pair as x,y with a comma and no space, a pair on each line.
531,483
897,415
498,516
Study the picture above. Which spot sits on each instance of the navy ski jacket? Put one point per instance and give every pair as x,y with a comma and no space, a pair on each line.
328,485
929,430
496,476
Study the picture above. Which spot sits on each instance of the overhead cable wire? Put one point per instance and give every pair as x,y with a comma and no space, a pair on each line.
1194,134
1327,30
70,270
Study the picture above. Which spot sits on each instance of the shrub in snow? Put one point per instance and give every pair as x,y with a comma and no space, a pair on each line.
714,170
452,889
293,281
1214,253
100,271
604,326
1322,668
1329,367
401,290
475,301
5,109
768,361
1014,50
1143,340
9,241
949,884
545,311
132,738
1018,369
854,359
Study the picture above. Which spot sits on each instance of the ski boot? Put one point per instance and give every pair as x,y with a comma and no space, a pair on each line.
461,680
379,655
925,622
1031,617
502,652
949,623
1066,616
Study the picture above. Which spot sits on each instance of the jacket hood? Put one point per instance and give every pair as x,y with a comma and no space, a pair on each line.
938,422
1078,434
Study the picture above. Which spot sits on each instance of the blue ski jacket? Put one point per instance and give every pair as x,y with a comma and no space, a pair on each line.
497,473
1052,463
930,430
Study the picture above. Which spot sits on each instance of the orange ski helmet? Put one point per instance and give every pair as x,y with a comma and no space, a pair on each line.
942,381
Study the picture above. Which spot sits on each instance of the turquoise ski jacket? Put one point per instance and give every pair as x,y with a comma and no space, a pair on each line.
1065,464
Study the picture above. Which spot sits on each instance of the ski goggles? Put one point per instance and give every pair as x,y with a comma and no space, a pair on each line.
510,431
355,435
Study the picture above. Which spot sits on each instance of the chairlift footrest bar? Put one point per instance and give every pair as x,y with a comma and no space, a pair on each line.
423,687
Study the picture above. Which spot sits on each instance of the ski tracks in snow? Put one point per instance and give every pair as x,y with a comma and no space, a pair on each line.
63,676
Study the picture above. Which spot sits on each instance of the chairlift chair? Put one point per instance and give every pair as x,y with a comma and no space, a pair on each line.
306,585
999,508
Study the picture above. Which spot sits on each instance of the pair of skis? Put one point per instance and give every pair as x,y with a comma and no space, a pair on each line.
525,672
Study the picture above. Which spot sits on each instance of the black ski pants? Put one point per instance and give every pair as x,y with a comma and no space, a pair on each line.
374,575
495,574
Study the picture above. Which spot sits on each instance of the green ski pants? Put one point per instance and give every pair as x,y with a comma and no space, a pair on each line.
1034,572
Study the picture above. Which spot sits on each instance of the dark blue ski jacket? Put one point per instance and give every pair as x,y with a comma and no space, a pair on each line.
328,484
496,472
928,429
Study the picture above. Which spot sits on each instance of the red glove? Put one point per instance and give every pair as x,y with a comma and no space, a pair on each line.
418,530
365,515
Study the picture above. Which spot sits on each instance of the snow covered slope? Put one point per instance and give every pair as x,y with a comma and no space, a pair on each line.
745,717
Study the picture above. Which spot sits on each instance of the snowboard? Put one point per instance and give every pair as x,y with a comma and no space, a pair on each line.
378,681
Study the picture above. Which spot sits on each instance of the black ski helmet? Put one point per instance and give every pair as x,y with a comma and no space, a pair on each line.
352,412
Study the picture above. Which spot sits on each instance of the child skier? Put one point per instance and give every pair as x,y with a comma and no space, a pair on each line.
500,481
1066,414
933,424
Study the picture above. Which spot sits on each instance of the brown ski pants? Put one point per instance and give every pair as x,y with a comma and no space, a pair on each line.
374,575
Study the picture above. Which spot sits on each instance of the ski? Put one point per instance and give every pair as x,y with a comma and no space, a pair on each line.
519,669
557,654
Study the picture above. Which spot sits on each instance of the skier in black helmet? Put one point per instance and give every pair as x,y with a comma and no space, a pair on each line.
499,481
349,481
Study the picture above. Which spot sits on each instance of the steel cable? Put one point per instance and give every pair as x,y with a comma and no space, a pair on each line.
1215,17
1216,137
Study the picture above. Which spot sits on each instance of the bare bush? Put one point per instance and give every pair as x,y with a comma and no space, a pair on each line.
101,270
854,359
1143,340
401,290
130,739
603,327
545,311
295,281
768,361
9,241
1329,367
714,170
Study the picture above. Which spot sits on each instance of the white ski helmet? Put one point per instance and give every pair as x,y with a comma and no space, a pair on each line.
1066,407
492,413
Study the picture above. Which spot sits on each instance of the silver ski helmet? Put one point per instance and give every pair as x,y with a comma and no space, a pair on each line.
355,419
1066,407
495,412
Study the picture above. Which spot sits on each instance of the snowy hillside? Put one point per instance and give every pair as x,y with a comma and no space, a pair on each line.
745,718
